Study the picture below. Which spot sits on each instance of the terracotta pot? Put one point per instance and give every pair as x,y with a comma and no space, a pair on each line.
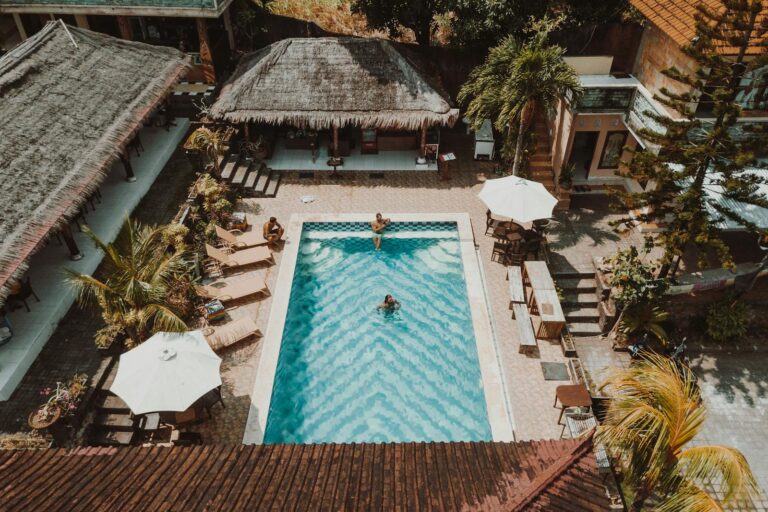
38,422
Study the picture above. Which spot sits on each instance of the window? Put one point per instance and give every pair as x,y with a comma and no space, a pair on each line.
612,150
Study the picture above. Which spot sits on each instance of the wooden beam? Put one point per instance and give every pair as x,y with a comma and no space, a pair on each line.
82,21
228,28
74,250
335,141
126,31
20,26
423,141
130,177
206,57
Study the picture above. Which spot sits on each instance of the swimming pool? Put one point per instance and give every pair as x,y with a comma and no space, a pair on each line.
347,372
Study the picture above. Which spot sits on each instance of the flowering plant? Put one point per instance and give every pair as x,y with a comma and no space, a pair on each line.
62,400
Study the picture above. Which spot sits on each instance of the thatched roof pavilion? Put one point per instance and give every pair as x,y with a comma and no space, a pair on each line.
330,82
70,100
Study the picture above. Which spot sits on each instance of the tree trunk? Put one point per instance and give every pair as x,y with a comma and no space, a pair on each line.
423,31
641,496
519,145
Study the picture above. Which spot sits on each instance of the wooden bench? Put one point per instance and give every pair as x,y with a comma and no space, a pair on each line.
516,287
524,328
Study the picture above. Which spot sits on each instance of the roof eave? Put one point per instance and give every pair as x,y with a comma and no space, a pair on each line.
101,10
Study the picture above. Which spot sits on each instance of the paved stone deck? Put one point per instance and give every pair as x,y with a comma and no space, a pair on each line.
530,395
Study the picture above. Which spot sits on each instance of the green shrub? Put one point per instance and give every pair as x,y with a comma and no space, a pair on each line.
728,319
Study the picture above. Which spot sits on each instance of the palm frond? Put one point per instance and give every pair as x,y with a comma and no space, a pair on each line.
719,465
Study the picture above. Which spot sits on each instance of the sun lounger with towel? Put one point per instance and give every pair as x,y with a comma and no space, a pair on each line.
240,240
230,333
240,258
233,288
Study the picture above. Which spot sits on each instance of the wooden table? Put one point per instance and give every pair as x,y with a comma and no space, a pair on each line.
572,395
537,275
547,305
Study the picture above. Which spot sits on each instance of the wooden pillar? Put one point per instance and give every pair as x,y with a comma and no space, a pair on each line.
20,26
126,31
74,250
206,57
335,141
423,141
129,176
82,21
228,28
247,131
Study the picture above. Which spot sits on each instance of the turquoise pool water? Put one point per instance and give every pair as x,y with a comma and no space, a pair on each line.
349,373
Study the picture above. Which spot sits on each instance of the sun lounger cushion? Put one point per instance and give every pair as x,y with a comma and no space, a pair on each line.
232,332
234,288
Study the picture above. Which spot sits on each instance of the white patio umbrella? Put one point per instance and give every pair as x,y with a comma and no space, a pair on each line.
517,198
168,372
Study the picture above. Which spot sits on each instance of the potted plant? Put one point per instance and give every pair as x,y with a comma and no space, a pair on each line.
565,180
62,402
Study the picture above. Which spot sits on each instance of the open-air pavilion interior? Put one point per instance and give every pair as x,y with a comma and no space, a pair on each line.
364,103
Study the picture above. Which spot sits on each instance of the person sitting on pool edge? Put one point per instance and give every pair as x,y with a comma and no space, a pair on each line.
389,304
377,226
273,231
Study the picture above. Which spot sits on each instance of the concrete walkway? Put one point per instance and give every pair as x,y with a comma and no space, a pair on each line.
31,330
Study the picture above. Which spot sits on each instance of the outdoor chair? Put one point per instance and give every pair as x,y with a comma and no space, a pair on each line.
540,226
499,251
514,259
230,333
240,240
491,224
233,288
240,258
578,422
25,291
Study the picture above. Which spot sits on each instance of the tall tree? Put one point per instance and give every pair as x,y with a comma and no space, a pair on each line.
696,156
518,77
393,15
655,413
135,293
485,23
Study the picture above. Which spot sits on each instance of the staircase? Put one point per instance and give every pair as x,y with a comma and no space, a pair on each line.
540,164
252,177
579,302
113,424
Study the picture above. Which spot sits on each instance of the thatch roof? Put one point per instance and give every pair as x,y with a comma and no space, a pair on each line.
66,112
332,81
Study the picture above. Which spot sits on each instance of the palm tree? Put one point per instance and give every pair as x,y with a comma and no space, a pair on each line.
134,295
644,317
655,413
209,142
517,78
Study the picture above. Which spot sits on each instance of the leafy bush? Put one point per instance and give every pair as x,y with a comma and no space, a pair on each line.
728,319
633,280
644,317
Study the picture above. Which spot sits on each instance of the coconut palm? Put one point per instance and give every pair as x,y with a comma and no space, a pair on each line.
517,78
655,414
135,294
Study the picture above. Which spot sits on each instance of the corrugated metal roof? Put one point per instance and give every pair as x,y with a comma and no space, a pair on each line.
538,475
750,212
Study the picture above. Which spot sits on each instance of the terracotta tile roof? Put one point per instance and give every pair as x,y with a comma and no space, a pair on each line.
539,475
676,19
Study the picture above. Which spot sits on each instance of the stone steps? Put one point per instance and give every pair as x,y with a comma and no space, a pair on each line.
584,329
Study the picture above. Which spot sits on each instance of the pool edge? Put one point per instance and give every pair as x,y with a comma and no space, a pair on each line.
490,366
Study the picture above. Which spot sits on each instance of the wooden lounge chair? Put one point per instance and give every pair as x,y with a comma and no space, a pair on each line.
240,240
230,333
233,288
240,258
